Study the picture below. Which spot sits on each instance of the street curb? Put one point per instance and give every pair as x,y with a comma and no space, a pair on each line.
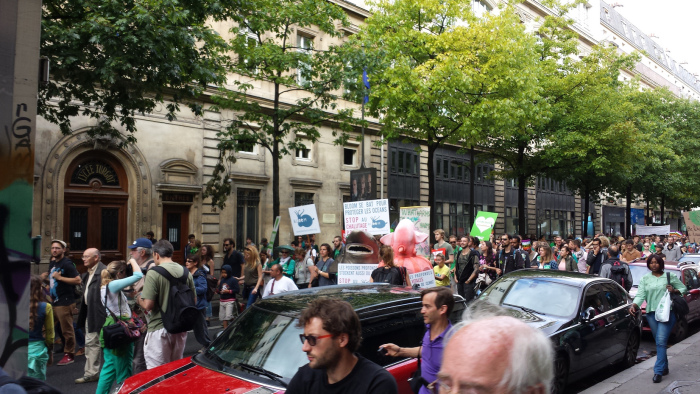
629,374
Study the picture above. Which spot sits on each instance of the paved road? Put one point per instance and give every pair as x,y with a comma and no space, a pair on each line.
63,378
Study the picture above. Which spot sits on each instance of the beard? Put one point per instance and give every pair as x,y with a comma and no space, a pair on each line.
327,360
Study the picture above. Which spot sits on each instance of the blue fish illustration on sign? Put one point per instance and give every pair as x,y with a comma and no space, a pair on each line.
378,223
303,220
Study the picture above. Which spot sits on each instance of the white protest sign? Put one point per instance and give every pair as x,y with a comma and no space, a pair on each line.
653,230
423,279
304,220
355,273
420,216
371,216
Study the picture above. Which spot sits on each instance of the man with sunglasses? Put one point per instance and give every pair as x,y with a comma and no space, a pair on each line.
332,335
233,258
508,257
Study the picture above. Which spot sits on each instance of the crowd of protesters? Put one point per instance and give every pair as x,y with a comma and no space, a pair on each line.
122,290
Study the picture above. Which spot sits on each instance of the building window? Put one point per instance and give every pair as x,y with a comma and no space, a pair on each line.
247,62
403,162
480,8
245,144
301,198
349,156
607,15
303,154
624,28
512,220
248,201
634,36
305,45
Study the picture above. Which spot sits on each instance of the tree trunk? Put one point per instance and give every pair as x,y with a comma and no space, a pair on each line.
276,163
663,207
522,222
472,188
628,211
431,190
586,205
647,216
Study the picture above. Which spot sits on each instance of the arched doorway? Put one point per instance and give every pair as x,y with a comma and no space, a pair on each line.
95,207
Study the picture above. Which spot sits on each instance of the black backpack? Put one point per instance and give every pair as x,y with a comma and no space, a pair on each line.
618,273
181,314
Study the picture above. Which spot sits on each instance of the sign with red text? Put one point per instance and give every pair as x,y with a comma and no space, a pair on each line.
371,216
355,273
423,279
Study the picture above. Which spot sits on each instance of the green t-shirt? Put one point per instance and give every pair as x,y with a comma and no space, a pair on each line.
157,288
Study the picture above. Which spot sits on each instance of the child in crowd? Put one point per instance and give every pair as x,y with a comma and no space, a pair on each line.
40,352
228,288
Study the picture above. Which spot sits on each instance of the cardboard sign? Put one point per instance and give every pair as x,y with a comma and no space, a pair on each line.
370,216
355,273
304,220
420,216
692,225
441,251
423,279
483,225
273,236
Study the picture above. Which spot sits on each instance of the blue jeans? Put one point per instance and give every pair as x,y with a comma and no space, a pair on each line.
252,297
209,309
661,332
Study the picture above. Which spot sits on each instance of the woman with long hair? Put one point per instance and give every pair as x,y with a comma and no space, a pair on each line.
208,265
652,287
117,364
390,273
325,277
40,352
252,275
487,261
566,260
194,265
547,261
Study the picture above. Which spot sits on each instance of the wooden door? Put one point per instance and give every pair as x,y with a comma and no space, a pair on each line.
95,208
176,220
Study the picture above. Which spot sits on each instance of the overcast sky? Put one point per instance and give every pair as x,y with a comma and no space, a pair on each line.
675,22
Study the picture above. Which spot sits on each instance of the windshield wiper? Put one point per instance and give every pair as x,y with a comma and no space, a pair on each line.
263,372
526,309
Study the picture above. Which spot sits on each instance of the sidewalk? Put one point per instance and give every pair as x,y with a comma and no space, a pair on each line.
683,377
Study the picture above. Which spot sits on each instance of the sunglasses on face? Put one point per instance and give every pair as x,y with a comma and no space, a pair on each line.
312,339
225,245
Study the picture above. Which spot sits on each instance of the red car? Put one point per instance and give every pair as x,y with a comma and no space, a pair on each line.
688,274
260,351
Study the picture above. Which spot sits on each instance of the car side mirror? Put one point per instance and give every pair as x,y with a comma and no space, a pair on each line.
588,314
694,291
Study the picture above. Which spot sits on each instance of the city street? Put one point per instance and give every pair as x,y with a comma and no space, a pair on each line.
63,378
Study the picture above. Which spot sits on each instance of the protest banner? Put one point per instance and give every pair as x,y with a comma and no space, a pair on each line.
355,273
692,225
423,279
420,216
483,225
304,220
273,236
371,216
653,230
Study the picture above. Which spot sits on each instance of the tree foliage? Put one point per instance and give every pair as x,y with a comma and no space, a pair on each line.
112,60
305,84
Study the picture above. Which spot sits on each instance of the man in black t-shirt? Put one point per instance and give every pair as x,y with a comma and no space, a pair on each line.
63,277
233,258
332,334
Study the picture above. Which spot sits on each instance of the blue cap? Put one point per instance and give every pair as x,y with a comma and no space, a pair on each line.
141,243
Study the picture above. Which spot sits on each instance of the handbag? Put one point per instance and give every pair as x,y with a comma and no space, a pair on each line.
416,381
680,306
663,310
121,332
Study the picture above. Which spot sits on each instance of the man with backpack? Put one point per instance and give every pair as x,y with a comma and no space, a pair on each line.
169,299
613,268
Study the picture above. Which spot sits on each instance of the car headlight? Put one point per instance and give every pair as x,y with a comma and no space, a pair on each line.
117,388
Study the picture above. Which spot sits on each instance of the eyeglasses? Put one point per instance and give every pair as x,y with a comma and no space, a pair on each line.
312,339
225,245
284,252
504,239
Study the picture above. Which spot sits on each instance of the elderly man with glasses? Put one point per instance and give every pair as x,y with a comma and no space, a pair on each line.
332,335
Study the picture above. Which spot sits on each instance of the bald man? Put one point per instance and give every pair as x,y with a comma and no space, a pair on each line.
472,361
92,314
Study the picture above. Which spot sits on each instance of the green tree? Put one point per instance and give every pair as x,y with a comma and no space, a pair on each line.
566,85
112,60
305,77
443,76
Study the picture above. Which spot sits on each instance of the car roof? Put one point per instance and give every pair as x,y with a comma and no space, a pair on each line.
366,299
668,265
566,277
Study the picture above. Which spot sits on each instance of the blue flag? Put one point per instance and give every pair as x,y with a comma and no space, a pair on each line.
365,80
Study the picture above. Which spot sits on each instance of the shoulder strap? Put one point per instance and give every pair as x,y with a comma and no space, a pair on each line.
668,277
173,281
119,303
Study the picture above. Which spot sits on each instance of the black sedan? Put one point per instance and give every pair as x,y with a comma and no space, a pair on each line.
586,317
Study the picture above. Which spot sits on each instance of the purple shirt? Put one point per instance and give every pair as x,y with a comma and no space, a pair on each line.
432,356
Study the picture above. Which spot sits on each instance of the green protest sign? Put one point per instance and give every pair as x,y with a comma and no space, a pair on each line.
483,225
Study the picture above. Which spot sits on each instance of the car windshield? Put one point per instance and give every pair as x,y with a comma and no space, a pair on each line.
640,270
534,294
262,339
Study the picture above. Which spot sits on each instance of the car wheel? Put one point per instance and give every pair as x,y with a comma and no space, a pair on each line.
680,331
561,374
631,350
